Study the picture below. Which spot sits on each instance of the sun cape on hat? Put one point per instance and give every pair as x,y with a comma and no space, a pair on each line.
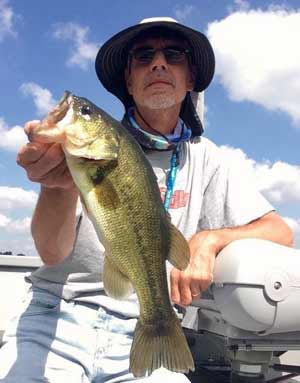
112,58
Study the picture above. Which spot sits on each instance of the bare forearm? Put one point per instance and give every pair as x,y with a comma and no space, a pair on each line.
206,244
54,223
270,227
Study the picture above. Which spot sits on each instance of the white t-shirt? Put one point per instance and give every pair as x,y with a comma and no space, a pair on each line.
210,193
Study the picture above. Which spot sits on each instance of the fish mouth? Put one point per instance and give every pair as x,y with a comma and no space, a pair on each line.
50,129
61,109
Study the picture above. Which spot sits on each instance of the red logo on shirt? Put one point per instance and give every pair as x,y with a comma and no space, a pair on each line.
178,199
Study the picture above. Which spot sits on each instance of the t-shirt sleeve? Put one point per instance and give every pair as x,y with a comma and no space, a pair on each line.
231,197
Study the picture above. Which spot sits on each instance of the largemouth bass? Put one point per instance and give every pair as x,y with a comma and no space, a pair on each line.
120,193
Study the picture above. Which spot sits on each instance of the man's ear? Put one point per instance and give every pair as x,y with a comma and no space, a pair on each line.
128,81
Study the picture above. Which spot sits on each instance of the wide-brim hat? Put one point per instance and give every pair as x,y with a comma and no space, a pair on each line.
112,58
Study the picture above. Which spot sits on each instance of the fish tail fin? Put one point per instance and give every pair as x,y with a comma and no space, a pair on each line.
162,344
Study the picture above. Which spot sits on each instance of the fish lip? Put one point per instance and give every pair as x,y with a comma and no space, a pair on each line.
58,113
54,118
64,97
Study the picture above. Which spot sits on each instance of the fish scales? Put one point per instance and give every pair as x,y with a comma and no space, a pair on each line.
120,193
141,232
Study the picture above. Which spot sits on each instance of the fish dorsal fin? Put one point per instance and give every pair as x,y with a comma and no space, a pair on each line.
179,253
116,284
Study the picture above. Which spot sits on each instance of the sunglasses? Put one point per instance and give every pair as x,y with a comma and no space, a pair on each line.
173,55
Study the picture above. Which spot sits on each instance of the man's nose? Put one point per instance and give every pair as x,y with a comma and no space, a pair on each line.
159,61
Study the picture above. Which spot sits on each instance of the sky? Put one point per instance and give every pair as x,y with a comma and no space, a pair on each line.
252,106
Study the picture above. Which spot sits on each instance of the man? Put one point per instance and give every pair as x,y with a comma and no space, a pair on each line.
69,328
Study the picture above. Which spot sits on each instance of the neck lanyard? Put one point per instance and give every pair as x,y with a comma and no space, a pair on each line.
157,142
161,143
170,183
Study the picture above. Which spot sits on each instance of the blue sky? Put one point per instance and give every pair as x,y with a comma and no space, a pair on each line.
251,108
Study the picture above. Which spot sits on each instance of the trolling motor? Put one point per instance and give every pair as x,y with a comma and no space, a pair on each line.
251,314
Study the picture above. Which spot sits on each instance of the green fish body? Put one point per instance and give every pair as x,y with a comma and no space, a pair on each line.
119,190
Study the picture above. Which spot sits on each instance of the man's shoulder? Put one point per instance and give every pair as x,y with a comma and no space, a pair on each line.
204,142
204,147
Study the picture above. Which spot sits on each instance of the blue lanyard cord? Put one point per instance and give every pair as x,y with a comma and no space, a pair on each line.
171,178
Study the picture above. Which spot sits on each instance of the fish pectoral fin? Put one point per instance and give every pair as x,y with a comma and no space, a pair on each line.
102,188
106,195
179,253
116,284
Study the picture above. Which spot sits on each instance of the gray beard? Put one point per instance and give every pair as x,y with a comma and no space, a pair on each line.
160,101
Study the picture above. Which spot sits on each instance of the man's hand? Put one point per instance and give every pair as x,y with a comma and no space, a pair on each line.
53,224
44,163
196,278
205,246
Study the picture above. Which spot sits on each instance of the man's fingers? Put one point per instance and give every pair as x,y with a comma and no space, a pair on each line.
30,125
175,294
31,152
58,177
195,288
53,157
44,162
180,287
184,288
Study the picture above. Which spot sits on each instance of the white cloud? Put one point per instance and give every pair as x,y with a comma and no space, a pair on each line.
182,13
83,52
279,182
16,198
19,225
294,224
4,221
6,20
11,138
42,97
257,57
15,234
16,226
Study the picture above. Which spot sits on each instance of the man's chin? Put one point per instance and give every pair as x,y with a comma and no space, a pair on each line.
159,101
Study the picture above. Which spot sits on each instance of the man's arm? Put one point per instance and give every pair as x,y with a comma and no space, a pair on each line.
53,224
205,245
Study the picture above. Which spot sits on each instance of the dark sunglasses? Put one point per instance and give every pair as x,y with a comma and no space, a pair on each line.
173,55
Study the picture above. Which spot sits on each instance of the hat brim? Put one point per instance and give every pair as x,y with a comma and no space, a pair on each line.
111,59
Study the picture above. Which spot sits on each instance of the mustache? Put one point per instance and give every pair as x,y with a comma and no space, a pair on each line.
159,76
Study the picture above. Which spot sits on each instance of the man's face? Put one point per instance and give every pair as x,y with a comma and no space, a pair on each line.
158,84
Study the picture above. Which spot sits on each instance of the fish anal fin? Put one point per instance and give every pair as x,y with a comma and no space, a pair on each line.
116,284
179,251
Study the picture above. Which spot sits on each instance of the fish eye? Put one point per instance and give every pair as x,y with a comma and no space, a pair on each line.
85,110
